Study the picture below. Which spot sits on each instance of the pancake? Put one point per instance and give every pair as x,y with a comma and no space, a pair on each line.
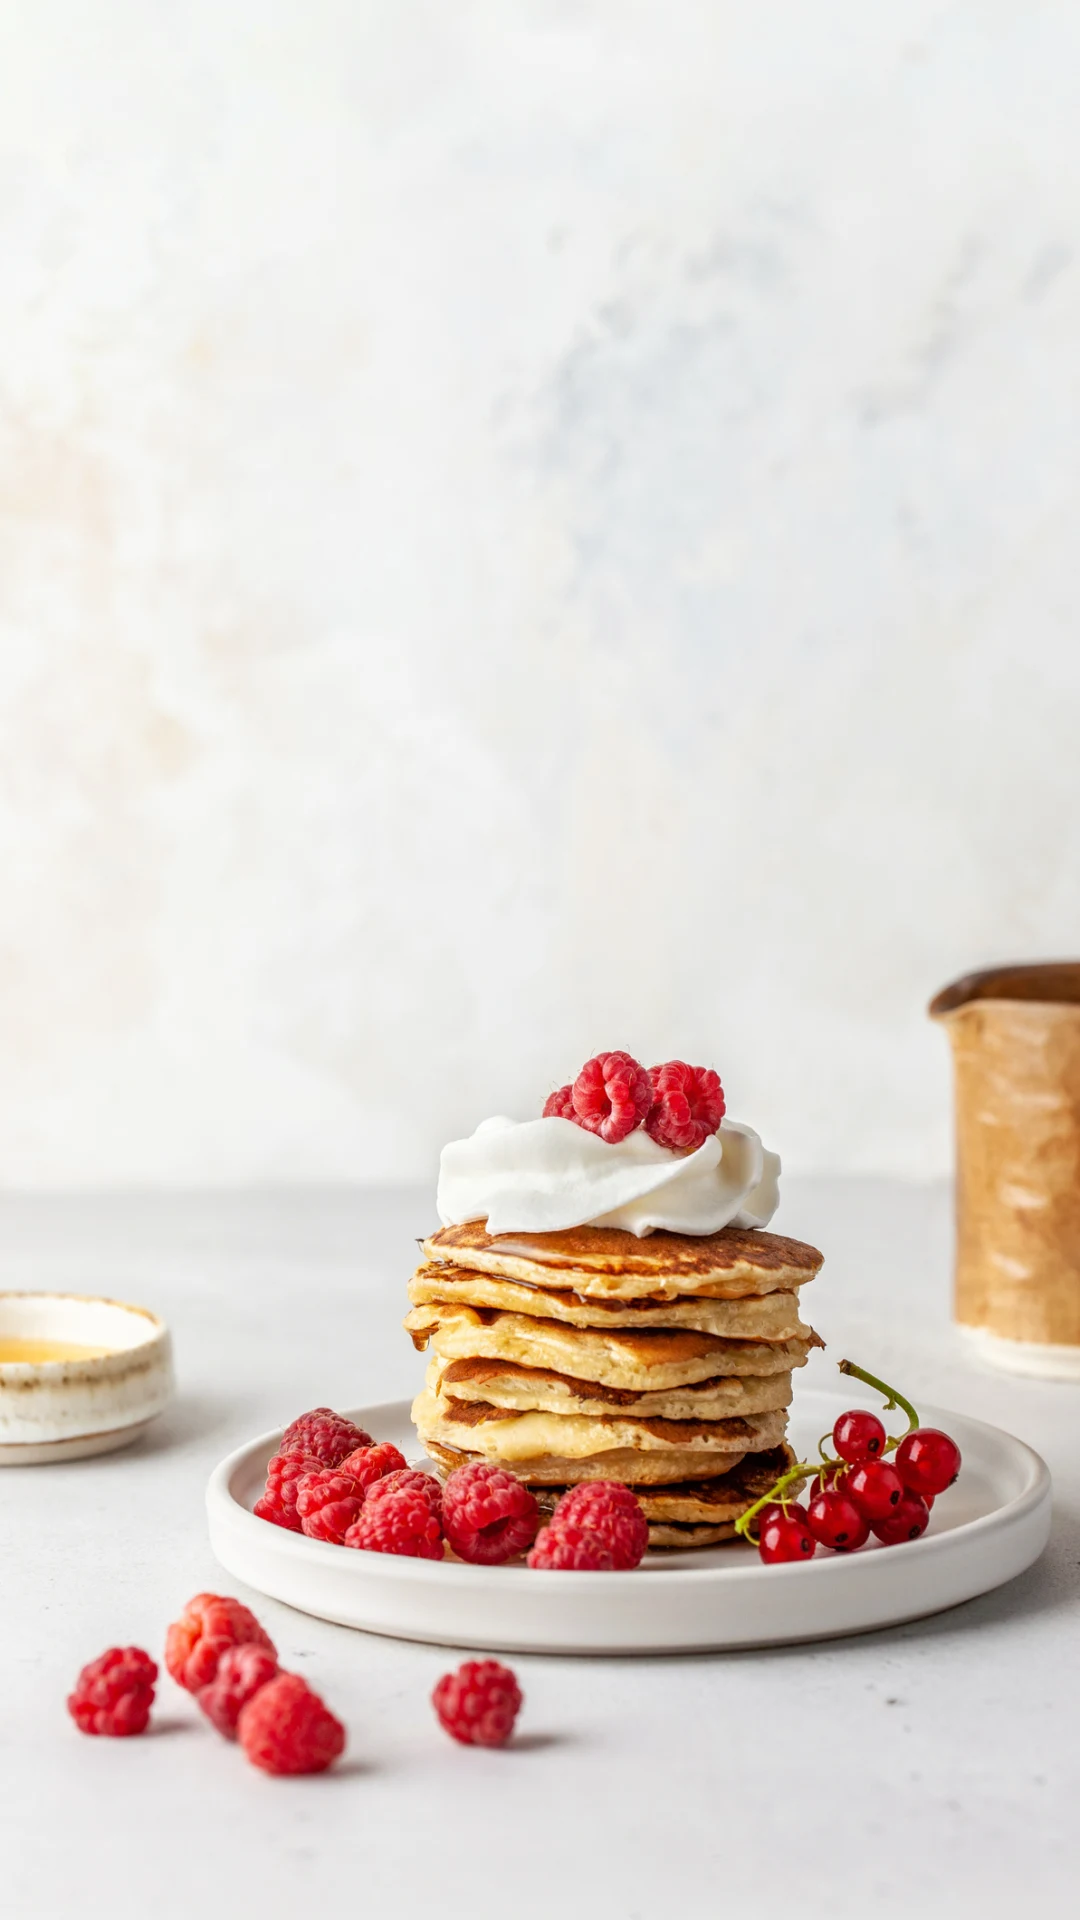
503,1383
618,1446
645,1359
633,1469
681,1537
714,1502
605,1263
766,1317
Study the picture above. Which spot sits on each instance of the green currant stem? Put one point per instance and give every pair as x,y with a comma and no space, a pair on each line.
892,1397
776,1492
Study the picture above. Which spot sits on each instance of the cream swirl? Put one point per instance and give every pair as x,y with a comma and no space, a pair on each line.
540,1176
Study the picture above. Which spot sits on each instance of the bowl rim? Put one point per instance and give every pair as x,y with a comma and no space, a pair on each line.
156,1335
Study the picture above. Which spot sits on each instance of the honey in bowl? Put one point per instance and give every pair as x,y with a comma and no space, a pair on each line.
79,1375
37,1353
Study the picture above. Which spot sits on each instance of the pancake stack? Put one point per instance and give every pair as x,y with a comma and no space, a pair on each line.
592,1354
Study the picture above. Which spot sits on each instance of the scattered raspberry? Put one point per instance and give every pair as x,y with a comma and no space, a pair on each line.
610,1511
560,1105
687,1104
488,1514
571,1549
283,1477
209,1625
328,1501
325,1435
612,1096
401,1521
241,1672
114,1693
424,1483
286,1728
369,1464
479,1703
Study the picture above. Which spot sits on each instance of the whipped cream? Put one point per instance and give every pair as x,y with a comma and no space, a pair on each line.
540,1176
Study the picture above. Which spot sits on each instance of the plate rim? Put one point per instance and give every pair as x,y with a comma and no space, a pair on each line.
219,1498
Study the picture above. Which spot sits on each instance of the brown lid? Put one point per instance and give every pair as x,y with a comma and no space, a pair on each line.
1047,980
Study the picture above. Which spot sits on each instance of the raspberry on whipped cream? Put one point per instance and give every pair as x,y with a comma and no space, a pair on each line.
611,1096
687,1104
546,1175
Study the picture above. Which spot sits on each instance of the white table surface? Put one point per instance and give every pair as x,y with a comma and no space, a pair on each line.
930,1770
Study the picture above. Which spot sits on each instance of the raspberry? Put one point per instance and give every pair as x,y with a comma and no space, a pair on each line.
687,1104
369,1464
571,1549
560,1105
324,1434
488,1514
283,1476
611,1096
610,1511
286,1728
402,1521
209,1625
328,1501
241,1672
424,1483
114,1693
479,1703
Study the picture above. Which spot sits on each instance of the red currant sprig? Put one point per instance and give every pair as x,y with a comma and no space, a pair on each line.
860,1491
927,1460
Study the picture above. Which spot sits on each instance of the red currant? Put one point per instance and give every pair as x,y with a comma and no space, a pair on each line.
786,1537
927,1460
835,1521
876,1488
859,1436
905,1522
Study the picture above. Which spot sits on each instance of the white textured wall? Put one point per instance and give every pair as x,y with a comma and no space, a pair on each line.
525,527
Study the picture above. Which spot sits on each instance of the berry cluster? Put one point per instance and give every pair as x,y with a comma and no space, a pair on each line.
859,1491
679,1106
321,1483
326,1482
218,1652
597,1527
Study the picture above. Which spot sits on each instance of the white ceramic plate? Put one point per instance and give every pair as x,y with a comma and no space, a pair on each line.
984,1531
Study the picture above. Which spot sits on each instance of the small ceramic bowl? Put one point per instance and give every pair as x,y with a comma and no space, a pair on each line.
78,1376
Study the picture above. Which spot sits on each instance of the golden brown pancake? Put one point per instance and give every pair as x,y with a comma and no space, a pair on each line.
683,1515
634,1448
764,1317
633,1469
504,1383
605,1263
681,1537
645,1359
715,1501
